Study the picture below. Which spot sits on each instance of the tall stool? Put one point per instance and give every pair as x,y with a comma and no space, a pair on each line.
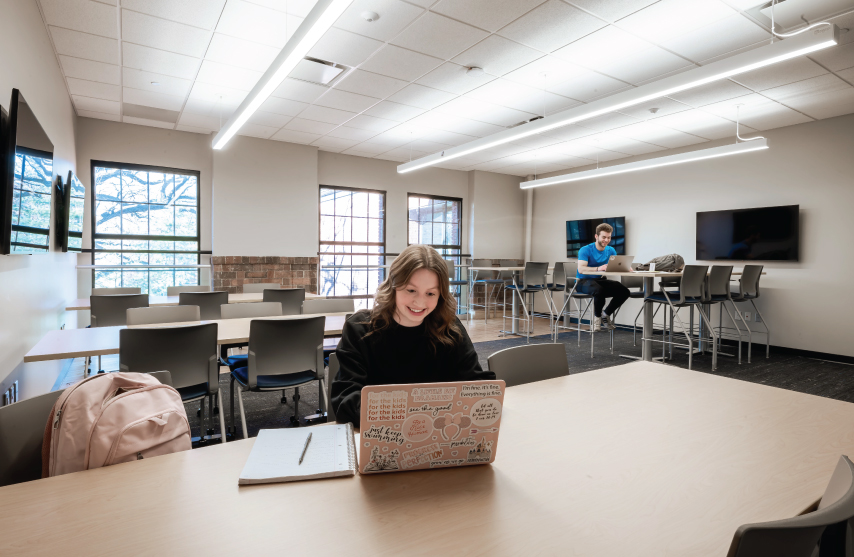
490,281
558,284
748,292
719,293
570,271
533,281
452,273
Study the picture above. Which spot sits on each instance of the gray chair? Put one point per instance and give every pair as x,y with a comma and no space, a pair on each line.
290,298
719,293
256,309
558,284
209,302
162,314
630,283
110,310
533,280
452,279
188,353
491,283
822,532
110,291
283,354
572,294
331,373
259,287
21,432
328,305
529,363
175,290
748,291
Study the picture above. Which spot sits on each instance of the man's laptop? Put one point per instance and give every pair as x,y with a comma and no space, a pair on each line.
620,264
429,425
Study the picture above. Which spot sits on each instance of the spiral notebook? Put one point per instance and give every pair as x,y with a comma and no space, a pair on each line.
276,454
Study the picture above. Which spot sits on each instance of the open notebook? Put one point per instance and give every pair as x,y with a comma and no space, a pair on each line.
276,453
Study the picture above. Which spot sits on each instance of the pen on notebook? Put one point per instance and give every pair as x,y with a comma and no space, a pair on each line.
304,449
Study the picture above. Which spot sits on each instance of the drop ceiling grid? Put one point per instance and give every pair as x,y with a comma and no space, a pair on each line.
358,124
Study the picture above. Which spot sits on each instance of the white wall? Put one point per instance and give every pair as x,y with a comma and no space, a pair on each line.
498,208
810,164
34,288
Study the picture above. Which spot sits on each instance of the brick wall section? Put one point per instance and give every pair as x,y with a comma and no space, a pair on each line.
231,272
479,292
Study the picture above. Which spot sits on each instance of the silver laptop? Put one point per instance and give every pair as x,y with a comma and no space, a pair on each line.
620,264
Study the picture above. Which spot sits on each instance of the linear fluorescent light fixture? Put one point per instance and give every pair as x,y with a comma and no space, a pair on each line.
800,45
714,152
316,23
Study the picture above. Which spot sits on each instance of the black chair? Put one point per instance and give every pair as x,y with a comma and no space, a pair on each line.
290,298
529,363
821,533
533,281
209,302
748,292
571,293
558,284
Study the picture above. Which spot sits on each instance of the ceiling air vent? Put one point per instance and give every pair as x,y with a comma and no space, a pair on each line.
319,71
525,121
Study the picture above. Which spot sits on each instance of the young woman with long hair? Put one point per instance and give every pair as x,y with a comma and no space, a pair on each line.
412,335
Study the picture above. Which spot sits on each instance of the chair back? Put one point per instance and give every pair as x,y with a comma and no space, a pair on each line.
111,310
719,276
189,353
257,288
329,305
799,536
111,291
750,280
452,271
290,298
529,363
285,346
483,275
693,283
21,432
255,309
209,302
175,290
162,314
331,373
535,274
559,275
507,275
570,269
631,281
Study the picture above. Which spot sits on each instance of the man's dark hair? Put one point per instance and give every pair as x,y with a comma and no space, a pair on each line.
604,227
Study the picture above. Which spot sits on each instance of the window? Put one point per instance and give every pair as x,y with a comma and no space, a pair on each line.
436,221
75,215
145,215
352,243
31,200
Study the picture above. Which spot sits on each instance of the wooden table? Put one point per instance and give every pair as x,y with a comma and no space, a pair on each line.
83,303
641,459
101,341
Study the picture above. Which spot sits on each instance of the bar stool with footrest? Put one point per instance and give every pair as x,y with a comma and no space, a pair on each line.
452,280
748,292
491,283
719,293
533,281
571,270
558,284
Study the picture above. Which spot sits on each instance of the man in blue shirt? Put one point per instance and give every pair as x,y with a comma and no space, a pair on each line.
594,257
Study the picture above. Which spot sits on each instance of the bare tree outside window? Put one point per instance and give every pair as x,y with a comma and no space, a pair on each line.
31,202
437,222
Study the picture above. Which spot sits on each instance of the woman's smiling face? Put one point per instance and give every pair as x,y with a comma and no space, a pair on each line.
415,300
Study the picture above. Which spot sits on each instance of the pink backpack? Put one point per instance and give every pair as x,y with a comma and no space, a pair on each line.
111,418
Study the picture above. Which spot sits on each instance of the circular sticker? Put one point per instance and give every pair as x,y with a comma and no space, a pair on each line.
434,438
485,412
417,427
367,444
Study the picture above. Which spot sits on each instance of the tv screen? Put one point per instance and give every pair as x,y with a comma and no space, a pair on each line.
73,195
579,233
760,234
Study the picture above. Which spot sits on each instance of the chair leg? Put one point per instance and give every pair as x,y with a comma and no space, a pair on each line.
671,332
708,322
635,328
242,413
684,330
284,396
202,423
221,415
211,414
295,417
232,430
738,331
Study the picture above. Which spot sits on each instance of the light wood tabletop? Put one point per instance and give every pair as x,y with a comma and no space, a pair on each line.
83,303
101,341
641,459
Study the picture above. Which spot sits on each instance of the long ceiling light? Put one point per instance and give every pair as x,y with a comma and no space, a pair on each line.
316,23
817,39
714,152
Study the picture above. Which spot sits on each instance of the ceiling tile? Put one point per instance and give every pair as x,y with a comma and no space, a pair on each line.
150,113
370,149
370,84
159,61
758,112
454,79
718,38
394,17
847,75
497,56
420,96
570,132
394,61
255,23
551,26
157,100
198,13
620,144
94,89
166,35
192,129
269,119
711,93
422,3
661,106
292,136
96,105
99,115
456,124
701,124
81,15
371,123
521,97
491,15
296,7
323,114
146,122
448,138
83,45
578,149
607,122
216,73
284,107
790,71
354,151
89,70
138,79
256,130
483,111
344,47
820,97
353,134
837,58
672,18
343,100
544,71
651,132
439,36
612,10
241,53
394,111
334,144
297,90
587,86
199,121
309,126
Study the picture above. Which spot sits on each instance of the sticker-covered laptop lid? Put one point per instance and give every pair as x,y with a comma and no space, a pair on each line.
429,425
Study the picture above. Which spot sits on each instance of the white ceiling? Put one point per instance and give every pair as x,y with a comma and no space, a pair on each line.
409,94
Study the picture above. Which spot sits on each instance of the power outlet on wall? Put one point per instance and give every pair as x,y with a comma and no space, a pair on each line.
757,318
746,315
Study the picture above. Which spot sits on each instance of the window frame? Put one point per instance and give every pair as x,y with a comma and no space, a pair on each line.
458,257
36,153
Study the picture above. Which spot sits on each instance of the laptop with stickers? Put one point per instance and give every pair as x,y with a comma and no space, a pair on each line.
429,425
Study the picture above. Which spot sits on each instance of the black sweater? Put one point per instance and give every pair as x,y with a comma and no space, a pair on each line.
396,355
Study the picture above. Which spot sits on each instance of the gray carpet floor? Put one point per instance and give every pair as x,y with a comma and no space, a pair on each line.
783,369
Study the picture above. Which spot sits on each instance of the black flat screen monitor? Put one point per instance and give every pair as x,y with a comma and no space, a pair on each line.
760,234
73,196
579,233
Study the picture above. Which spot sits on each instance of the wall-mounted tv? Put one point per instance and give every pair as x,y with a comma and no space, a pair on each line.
579,233
73,196
758,234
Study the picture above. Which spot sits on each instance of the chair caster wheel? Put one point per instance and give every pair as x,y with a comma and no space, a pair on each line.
294,421
198,412
216,409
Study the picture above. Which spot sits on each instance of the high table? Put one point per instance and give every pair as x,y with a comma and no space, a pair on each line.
83,303
641,459
514,327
